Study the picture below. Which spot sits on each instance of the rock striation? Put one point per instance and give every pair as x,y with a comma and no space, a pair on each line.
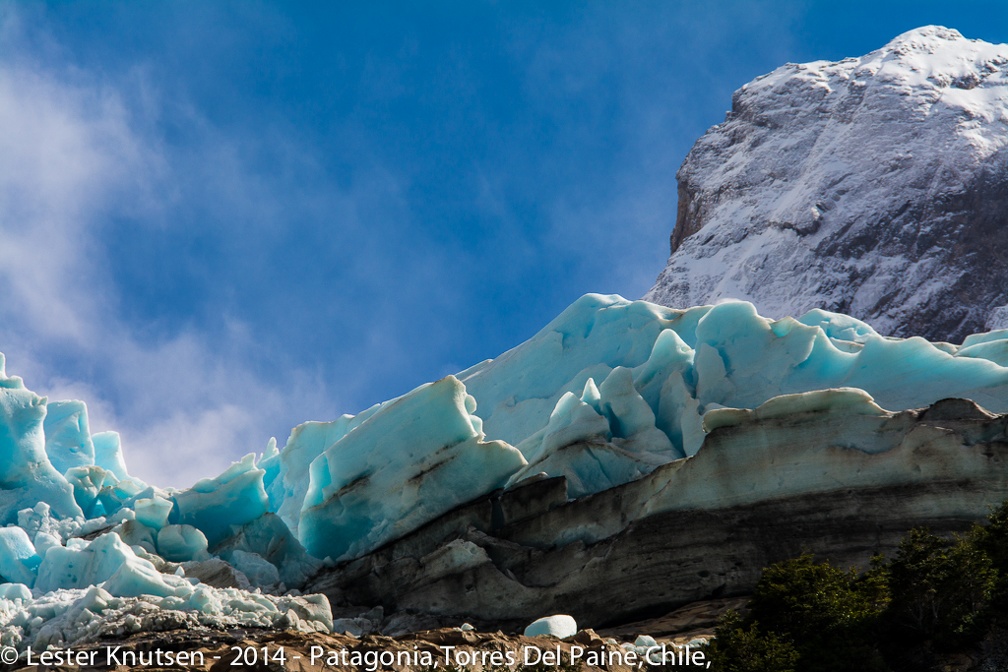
873,186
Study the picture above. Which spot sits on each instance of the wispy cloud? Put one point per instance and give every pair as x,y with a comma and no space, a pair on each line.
76,155
67,150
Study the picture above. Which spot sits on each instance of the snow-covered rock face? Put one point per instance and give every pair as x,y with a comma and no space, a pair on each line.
873,186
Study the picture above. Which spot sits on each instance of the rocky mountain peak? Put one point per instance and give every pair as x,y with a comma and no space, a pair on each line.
875,186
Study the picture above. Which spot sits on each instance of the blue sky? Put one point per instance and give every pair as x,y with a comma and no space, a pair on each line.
218,220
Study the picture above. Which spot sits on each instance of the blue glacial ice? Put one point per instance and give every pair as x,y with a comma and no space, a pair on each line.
108,453
26,475
685,363
98,492
604,394
152,511
560,626
67,435
104,580
215,505
287,478
992,346
82,563
412,460
19,560
181,543
269,538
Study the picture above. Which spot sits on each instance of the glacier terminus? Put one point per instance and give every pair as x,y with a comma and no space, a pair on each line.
643,410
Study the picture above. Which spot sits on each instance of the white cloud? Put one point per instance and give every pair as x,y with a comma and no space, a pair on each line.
73,155
196,444
65,150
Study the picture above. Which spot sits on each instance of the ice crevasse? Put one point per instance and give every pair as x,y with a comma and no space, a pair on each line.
604,394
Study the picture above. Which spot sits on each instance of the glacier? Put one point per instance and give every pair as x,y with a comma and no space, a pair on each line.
414,459
26,474
606,394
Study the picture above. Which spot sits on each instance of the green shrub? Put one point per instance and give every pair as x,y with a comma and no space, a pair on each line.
804,599
806,616
737,648
941,588
830,615
992,539
936,594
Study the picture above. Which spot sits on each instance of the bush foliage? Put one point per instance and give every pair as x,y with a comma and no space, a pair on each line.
942,589
936,594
